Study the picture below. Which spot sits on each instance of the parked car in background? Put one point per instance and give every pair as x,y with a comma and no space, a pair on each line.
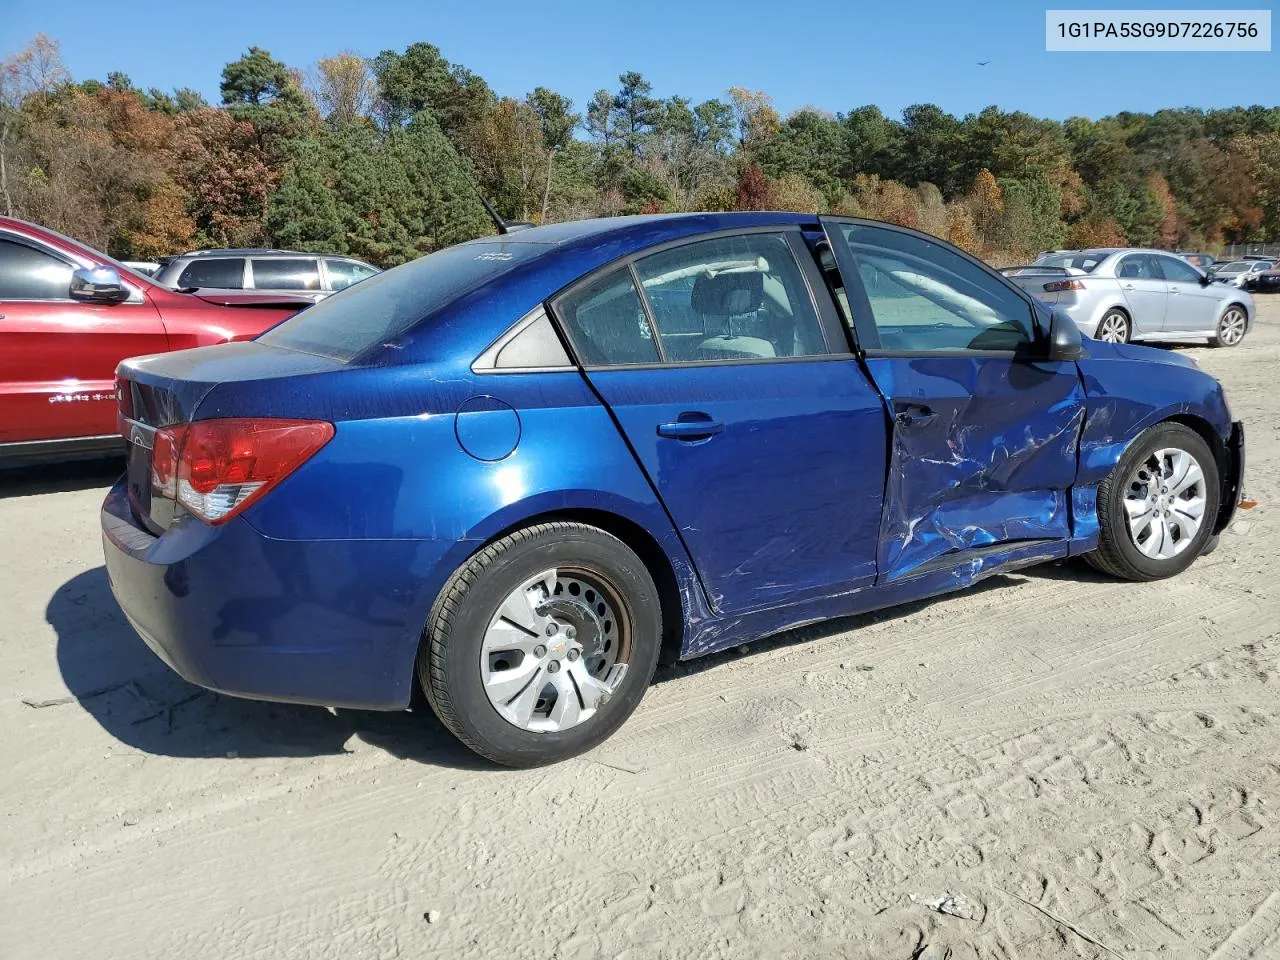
1123,294
518,471
1268,280
1201,261
148,268
305,274
69,315
1241,274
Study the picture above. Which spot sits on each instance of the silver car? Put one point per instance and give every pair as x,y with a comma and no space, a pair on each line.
1240,273
1123,294
274,271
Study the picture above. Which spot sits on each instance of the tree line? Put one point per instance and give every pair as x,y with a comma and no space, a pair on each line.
385,159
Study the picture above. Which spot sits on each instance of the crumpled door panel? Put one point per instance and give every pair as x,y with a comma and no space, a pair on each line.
983,452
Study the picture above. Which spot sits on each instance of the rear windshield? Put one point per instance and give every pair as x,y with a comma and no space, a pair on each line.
375,311
1239,266
1075,261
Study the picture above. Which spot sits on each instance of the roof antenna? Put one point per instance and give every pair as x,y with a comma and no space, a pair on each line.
504,226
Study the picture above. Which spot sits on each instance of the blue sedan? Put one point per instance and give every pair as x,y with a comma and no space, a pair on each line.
518,473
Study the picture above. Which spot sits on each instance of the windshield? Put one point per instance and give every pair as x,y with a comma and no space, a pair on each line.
1237,266
1075,261
372,312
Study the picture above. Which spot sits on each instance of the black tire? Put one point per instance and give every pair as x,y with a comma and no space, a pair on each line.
1117,555
1115,314
449,663
1230,339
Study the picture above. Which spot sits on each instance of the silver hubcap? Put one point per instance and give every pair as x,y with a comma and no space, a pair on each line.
1165,501
554,652
1231,329
1113,329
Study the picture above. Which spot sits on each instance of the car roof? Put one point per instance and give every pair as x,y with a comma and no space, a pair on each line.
247,251
643,228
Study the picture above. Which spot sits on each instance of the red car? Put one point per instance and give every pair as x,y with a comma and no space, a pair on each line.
69,315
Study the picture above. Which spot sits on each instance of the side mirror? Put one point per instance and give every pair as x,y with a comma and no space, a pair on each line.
1064,338
98,285
1205,280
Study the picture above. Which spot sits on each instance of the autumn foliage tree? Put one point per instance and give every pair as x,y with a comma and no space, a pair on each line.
386,157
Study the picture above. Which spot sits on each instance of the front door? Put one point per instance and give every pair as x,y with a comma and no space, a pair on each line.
58,356
983,453
736,390
1193,307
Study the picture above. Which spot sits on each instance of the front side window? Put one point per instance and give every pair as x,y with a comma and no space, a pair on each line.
606,321
924,297
286,273
731,298
343,273
29,274
226,273
1177,271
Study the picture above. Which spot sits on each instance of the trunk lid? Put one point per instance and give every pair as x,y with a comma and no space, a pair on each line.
167,388
1032,278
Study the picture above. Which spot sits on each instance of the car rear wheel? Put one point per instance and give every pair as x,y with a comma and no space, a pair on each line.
1156,509
1114,327
542,644
1231,327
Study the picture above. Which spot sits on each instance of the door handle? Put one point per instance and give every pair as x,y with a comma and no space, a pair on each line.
1174,290
914,414
1128,286
691,426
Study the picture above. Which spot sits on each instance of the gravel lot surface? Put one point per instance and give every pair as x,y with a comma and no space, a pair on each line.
1052,765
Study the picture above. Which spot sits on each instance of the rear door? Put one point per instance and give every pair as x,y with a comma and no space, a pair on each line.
734,386
58,356
1192,306
983,452
1145,291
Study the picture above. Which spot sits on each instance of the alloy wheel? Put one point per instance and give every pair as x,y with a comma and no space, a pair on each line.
1114,328
1231,327
556,650
1165,501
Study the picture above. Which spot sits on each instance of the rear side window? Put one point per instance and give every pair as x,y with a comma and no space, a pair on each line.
225,272
286,273
731,298
1138,266
343,273
28,274
606,321
376,311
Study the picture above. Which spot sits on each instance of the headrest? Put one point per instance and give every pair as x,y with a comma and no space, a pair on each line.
727,294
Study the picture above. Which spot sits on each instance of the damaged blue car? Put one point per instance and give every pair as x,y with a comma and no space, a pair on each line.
519,472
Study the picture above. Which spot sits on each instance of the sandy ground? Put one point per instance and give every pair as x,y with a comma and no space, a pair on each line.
1085,768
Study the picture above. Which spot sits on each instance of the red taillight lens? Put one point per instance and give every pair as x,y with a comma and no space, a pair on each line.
1057,286
216,468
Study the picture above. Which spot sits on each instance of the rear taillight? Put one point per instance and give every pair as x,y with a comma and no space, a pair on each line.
216,468
1057,286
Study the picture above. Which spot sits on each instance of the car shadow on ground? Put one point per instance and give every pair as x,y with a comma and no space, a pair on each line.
146,706
59,477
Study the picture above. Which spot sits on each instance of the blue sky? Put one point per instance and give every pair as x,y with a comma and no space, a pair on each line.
834,55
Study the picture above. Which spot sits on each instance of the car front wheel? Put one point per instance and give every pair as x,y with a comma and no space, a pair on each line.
1157,507
1230,327
542,644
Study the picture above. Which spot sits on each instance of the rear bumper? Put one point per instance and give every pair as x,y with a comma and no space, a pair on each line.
1233,478
329,622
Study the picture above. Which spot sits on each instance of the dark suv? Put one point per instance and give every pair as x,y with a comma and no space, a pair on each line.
316,275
